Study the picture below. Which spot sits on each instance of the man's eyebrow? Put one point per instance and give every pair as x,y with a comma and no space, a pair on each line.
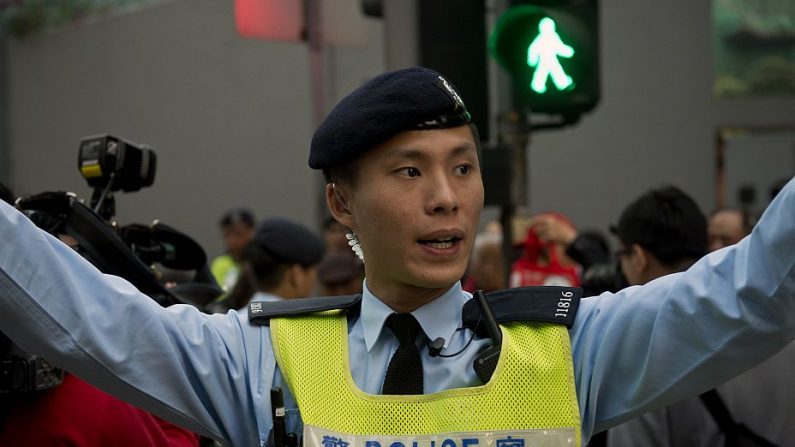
416,154
464,149
403,152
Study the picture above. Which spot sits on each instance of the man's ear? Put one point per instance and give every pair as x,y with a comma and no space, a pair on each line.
641,258
337,202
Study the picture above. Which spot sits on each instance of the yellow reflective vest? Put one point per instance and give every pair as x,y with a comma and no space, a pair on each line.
529,401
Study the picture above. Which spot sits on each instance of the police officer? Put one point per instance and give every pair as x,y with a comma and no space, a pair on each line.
281,260
401,159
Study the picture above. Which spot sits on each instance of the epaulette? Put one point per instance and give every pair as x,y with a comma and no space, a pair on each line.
549,304
261,312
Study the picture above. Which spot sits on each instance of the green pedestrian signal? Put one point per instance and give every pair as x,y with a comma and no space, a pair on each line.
551,53
543,54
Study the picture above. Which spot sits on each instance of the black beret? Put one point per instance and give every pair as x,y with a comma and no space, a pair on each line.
393,102
288,242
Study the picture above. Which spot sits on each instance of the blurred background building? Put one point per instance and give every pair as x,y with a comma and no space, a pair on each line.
696,94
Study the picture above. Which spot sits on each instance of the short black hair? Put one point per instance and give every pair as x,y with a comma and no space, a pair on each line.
344,173
267,271
238,215
668,223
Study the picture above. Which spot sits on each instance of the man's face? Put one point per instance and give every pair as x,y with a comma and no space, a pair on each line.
725,228
236,236
415,208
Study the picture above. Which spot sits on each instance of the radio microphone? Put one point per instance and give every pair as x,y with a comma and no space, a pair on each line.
486,362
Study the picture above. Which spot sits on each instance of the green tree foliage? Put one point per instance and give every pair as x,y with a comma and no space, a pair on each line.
24,17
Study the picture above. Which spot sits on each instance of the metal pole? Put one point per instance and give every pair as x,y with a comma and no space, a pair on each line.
317,71
314,37
401,35
515,133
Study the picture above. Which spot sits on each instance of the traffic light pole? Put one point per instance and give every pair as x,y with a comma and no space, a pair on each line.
552,121
515,133
516,129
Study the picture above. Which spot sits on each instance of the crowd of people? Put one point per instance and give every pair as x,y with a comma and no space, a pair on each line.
667,346
662,232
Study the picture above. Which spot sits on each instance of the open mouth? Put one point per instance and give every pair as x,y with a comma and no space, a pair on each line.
441,243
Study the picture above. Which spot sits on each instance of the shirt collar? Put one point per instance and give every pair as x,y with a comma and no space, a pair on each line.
439,318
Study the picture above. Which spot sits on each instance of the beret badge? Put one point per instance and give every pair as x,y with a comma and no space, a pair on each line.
442,83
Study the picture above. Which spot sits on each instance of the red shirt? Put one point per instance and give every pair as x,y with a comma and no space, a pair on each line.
77,414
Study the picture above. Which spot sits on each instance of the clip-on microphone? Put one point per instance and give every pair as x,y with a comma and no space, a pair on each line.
486,362
436,346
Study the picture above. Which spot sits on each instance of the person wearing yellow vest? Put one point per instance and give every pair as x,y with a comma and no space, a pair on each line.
237,227
413,361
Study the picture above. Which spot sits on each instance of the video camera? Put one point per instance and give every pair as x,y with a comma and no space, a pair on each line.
110,164
148,256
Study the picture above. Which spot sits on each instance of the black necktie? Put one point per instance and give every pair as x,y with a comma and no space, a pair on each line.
404,373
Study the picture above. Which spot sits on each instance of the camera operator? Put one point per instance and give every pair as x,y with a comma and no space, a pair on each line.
75,413
42,405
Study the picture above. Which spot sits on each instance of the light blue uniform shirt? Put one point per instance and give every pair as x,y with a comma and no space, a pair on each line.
641,348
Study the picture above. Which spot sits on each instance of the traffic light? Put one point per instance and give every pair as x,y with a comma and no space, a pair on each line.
551,50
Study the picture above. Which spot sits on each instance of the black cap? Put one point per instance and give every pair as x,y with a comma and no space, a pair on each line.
408,99
288,242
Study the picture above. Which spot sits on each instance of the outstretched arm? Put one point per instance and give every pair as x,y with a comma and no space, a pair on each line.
675,337
196,370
